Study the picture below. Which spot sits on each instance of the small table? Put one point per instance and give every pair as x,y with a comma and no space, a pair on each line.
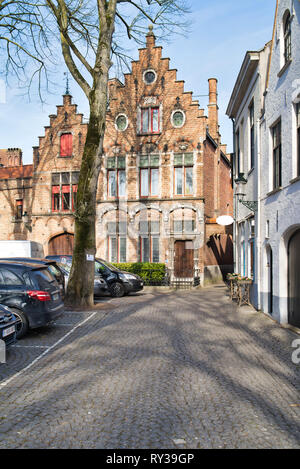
243,292
233,287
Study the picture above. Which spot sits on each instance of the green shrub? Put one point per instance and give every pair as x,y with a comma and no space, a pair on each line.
148,271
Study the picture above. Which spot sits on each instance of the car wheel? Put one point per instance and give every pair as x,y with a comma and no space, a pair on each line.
22,324
117,290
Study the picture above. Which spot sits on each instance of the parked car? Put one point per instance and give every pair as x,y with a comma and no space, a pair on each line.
32,294
8,325
100,285
119,282
51,265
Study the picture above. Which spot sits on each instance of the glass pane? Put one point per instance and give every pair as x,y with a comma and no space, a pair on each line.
178,160
122,249
122,227
154,161
113,250
188,159
66,201
122,183
178,118
144,182
154,181
121,122
65,178
188,226
111,227
155,249
75,177
155,120
111,162
145,120
144,226
121,162
55,179
178,226
145,250
144,161
112,184
189,181
178,181
154,226
10,278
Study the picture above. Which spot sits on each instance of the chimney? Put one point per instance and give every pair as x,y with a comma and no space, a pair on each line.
213,121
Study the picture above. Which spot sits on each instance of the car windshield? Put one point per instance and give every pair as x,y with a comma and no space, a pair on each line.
65,267
99,262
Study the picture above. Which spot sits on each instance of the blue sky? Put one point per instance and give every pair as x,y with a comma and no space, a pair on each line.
221,32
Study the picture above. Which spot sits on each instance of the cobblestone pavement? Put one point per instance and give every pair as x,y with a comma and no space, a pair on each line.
186,369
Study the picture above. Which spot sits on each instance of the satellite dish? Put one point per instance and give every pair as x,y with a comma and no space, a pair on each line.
225,220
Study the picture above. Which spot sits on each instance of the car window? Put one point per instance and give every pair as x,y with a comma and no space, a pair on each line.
54,271
27,280
10,278
99,267
43,277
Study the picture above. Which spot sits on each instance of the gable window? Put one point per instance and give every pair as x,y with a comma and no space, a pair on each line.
251,129
276,140
183,174
149,175
149,241
19,209
66,144
64,191
116,241
287,38
116,176
150,120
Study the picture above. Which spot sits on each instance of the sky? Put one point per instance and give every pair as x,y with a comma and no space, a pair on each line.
221,32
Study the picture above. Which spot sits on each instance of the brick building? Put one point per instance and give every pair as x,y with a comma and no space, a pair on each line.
165,176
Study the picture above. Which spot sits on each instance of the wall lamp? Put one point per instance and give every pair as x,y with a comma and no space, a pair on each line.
240,183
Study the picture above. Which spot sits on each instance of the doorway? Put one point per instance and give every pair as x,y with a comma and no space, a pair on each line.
61,244
184,259
294,280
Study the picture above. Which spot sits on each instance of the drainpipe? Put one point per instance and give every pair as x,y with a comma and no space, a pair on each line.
234,234
258,240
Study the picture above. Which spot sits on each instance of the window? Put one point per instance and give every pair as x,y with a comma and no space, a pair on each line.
10,278
251,125
117,241
149,175
149,241
64,191
150,120
19,209
238,153
116,176
183,174
121,122
66,145
298,137
287,38
178,119
184,226
149,77
276,139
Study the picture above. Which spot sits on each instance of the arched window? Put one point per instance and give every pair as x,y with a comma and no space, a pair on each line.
287,37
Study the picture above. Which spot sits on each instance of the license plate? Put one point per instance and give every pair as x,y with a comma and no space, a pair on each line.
55,296
8,331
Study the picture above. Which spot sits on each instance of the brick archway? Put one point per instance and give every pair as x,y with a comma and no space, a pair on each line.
61,244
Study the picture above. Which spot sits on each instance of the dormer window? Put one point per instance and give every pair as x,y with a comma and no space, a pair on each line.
287,38
66,145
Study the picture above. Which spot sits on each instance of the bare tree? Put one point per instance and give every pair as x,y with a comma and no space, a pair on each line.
90,34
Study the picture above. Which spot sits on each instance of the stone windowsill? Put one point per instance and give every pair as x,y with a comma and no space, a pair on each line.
296,179
286,65
274,191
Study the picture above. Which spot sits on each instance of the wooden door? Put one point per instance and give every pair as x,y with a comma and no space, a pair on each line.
184,259
61,244
294,280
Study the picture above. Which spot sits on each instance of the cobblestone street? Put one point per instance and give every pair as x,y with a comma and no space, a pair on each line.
185,369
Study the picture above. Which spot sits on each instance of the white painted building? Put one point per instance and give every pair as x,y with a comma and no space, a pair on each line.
274,181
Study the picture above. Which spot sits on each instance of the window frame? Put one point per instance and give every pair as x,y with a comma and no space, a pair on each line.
150,110
58,191
19,209
252,135
287,40
184,180
117,183
276,154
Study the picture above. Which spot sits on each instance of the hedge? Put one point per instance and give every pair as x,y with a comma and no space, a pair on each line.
148,271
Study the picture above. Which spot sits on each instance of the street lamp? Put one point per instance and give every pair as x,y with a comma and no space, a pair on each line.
240,183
